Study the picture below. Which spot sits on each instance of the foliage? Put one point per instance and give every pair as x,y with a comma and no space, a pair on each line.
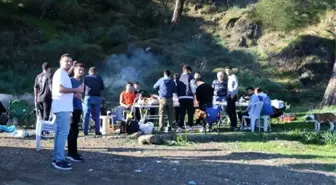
319,138
291,14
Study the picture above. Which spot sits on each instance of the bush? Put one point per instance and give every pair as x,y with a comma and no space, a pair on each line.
319,138
290,14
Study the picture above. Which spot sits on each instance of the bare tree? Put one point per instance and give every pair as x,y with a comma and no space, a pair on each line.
329,97
177,12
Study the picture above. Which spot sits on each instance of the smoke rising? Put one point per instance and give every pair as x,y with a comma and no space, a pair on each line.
5,98
131,66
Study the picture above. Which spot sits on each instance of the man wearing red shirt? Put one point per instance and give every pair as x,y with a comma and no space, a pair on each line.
126,101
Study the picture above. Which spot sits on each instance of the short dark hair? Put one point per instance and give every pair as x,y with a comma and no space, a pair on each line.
197,72
129,83
92,70
79,65
250,88
228,67
136,83
166,72
187,68
176,75
258,90
64,55
45,66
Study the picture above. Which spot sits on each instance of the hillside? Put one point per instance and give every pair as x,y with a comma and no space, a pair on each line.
284,46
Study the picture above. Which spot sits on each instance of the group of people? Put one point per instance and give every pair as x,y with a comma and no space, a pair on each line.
67,93
191,91
61,94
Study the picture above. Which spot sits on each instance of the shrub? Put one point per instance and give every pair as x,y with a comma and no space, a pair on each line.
290,14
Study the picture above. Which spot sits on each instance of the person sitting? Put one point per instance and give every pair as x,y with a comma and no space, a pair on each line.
140,94
220,87
127,99
253,99
267,106
3,115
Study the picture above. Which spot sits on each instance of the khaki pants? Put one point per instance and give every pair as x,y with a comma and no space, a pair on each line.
166,106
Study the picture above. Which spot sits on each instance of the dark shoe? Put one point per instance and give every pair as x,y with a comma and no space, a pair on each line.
54,162
61,165
98,134
86,133
75,158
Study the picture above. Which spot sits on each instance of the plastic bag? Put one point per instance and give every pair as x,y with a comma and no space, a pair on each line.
147,128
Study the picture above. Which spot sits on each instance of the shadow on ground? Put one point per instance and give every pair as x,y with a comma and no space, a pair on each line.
23,166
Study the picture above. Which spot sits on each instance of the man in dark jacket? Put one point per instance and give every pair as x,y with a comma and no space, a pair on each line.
186,97
166,87
42,91
93,86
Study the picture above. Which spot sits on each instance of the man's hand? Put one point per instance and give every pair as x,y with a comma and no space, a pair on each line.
232,96
80,89
74,63
78,95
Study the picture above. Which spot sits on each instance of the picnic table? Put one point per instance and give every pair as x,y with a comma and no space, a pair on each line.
144,108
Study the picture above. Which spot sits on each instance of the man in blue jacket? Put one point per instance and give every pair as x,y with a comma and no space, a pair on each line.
186,97
166,87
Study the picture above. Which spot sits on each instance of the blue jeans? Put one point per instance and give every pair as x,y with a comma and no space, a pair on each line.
62,124
91,104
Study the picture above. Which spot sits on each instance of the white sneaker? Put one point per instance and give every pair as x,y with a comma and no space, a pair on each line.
179,130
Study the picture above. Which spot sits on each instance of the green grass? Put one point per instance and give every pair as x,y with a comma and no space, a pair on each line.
290,149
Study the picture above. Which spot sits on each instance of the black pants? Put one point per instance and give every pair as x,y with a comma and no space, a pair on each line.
231,111
241,114
44,109
186,105
177,114
73,133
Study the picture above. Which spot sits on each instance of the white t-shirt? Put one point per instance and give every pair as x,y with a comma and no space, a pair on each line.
61,102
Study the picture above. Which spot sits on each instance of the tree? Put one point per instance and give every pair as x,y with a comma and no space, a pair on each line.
177,12
329,97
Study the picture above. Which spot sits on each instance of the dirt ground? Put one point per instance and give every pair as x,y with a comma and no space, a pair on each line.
114,161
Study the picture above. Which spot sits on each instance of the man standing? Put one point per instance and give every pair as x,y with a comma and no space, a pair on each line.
42,91
232,95
166,87
76,114
177,109
62,97
93,86
204,94
186,97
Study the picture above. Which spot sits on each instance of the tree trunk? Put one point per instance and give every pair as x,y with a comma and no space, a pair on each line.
177,12
329,97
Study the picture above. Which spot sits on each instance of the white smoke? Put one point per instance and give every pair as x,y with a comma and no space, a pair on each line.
131,66
5,98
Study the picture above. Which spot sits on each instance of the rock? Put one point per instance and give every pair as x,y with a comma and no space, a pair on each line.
135,135
242,42
147,139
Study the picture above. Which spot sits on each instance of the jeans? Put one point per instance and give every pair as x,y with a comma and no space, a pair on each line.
231,111
165,106
73,134
119,112
186,105
91,104
62,130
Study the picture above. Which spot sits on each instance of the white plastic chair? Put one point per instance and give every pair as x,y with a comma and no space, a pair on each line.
266,120
42,125
254,115
106,126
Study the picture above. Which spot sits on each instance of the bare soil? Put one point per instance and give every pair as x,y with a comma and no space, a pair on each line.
122,161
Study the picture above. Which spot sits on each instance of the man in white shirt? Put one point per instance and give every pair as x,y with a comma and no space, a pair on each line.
232,95
62,107
253,99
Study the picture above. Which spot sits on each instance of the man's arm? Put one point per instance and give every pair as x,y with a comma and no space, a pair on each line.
50,82
63,89
157,84
35,89
72,68
121,100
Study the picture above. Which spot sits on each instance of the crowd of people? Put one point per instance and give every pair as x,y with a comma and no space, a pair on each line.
68,94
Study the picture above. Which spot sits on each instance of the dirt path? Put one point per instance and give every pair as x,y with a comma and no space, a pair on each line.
120,161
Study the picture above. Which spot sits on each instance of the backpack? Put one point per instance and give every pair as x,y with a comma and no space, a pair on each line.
267,108
132,126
